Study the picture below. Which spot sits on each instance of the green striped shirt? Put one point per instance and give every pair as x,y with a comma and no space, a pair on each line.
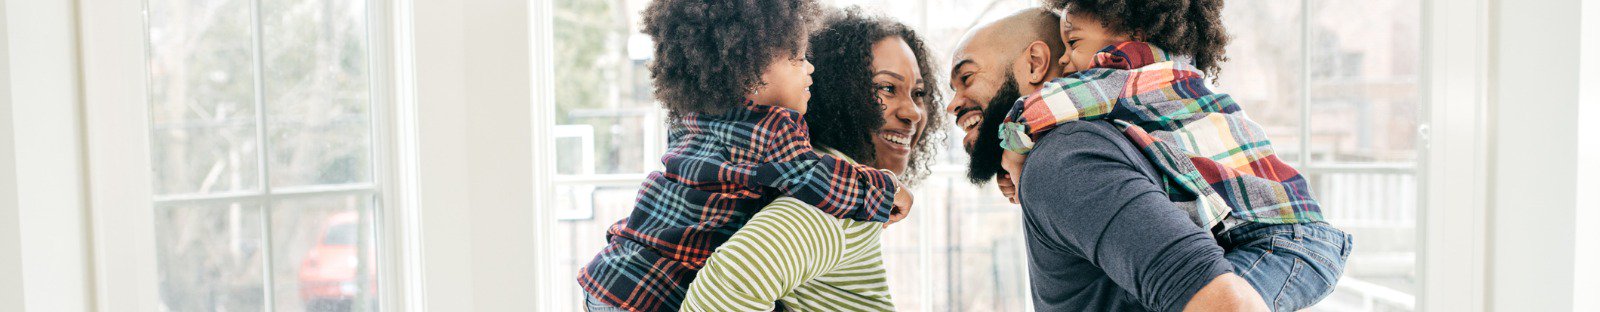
793,253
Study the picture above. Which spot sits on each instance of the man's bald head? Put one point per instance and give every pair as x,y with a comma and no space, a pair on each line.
1008,35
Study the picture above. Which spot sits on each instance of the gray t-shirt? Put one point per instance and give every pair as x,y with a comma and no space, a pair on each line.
1102,235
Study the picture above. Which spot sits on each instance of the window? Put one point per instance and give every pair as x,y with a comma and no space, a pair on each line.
1339,91
1336,84
262,149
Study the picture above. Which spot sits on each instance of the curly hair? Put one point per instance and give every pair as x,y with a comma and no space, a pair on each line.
844,112
1187,27
709,54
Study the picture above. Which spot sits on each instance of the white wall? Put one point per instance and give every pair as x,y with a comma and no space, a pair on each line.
1533,128
10,236
475,207
44,155
48,136
1587,278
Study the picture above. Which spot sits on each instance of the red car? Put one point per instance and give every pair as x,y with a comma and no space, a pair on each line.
328,273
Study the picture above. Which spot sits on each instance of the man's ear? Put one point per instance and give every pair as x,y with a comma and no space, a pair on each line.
1039,62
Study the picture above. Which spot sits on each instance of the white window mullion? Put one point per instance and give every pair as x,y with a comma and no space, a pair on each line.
543,97
400,240
1305,83
384,227
258,56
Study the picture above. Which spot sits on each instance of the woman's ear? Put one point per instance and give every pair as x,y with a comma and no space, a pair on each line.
1040,60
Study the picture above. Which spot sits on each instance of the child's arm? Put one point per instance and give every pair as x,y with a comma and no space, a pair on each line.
1086,95
1011,179
837,187
1119,73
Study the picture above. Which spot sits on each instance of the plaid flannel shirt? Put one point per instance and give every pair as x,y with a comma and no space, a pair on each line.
1215,160
719,171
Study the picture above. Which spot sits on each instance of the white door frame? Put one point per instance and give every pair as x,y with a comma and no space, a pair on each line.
116,121
1451,256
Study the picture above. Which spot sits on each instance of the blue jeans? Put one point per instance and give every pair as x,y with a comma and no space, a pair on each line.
594,305
1293,266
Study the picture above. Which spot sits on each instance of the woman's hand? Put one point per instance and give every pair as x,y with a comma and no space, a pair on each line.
1011,163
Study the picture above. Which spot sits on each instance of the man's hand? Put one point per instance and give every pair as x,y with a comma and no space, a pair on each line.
902,205
1011,163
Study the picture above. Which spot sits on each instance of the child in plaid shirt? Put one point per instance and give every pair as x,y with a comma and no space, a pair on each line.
1216,163
733,76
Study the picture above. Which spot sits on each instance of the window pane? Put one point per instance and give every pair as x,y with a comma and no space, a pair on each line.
962,249
209,257
323,254
202,97
604,89
314,87
1264,71
1365,92
583,214
316,91
1365,104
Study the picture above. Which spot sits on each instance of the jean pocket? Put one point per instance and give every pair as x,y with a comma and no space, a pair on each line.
1245,258
1299,290
1320,251
1349,246
1316,256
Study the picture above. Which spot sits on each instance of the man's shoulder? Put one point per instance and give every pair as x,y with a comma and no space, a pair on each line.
1081,141
1078,135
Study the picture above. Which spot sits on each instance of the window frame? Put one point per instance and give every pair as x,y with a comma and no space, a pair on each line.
117,135
114,52
1453,247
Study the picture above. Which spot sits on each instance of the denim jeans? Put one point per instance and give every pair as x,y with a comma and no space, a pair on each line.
1293,266
594,305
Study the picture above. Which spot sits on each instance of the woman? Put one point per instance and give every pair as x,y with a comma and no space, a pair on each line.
871,100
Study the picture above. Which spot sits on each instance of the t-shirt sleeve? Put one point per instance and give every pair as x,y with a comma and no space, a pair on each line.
1093,199
837,187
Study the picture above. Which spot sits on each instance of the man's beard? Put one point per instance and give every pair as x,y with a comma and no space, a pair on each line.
986,152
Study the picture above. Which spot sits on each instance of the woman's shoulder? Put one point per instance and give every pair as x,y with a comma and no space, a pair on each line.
801,213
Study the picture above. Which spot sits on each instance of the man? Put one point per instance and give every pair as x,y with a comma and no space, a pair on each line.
1102,234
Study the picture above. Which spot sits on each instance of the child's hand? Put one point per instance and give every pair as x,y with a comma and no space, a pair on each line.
1007,188
902,205
1011,162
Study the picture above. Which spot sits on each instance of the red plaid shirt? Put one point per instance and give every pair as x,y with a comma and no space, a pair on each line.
719,171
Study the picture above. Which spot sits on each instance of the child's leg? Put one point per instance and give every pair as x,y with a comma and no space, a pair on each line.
792,252
1293,266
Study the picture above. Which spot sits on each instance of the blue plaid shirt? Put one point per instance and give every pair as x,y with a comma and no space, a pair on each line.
719,171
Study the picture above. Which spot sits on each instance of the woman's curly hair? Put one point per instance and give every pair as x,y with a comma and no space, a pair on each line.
844,112
1186,27
709,54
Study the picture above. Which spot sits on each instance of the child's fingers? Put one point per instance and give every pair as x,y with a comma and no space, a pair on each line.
901,208
1008,186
